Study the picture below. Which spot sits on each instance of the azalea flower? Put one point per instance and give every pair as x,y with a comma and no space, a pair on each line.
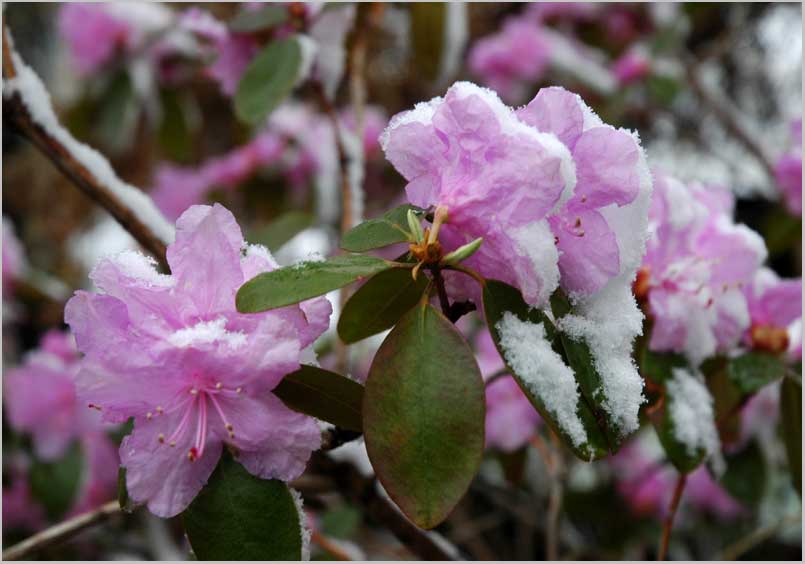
40,399
697,263
775,310
172,352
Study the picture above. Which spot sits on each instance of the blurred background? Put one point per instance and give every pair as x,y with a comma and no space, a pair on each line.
714,91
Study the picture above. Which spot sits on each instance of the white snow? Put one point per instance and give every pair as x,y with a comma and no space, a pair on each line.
584,63
535,241
106,237
609,322
530,355
456,33
422,113
206,332
304,528
309,49
353,147
691,410
330,31
37,100
138,266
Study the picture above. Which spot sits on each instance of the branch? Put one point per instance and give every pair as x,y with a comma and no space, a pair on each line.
744,545
28,108
362,491
669,520
61,531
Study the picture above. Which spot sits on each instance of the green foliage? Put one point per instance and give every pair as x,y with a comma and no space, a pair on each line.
387,230
268,16
56,484
340,522
282,229
791,411
745,477
268,79
500,298
379,303
753,370
238,516
299,282
324,395
423,415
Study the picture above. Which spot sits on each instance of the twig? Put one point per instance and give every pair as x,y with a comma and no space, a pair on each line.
61,531
444,301
744,545
554,503
335,437
329,546
363,492
19,115
669,520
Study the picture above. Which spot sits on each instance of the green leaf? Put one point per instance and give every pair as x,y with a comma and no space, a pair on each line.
659,366
268,79
180,119
423,415
500,298
791,412
324,395
745,477
427,36
238,516
123,498
381,232
677,452
341,522
117,115
380,303
282,229
55,484
753,370
249,21
299,282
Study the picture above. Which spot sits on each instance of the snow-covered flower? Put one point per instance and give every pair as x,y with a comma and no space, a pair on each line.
172,352
510,418
775,311
40,399
697,262
788,171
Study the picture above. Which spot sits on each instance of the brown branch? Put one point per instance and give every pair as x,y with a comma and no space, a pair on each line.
363,492
18,115
669,520
62,531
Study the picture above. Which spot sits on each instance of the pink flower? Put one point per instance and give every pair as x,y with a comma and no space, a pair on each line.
13,258
20,510
774,306
632,66
172,352
511,59
510,418
40,399
92,34
704,493
695,266
788,171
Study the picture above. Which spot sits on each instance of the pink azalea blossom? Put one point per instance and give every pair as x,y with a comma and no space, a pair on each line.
632,66
695,266
775,308
93,35
788,171
510,417
13,258
573,11
20,509
172,352
40,399
511,59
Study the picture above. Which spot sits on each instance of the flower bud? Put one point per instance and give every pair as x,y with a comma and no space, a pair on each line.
415,226
463,252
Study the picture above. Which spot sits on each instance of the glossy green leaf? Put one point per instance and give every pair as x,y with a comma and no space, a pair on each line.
423,415
268,80
677,452
281,230
387,230
299,282
324,395
753,370
380,303
55,484
500,298
746,475
266,17
238,516
791,412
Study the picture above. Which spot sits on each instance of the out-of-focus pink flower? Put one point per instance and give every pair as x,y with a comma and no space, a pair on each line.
574,11
788,171
172,352
92,34
511,59
696,263
40,399
20,510
774,305
632,66
707,495
510,417
13,258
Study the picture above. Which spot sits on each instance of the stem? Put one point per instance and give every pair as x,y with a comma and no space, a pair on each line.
61,531
18,115
444,301
554,503
669,520
329,546
744,545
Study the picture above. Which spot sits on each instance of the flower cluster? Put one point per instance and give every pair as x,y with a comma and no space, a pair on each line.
172,352
40,399
697,264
